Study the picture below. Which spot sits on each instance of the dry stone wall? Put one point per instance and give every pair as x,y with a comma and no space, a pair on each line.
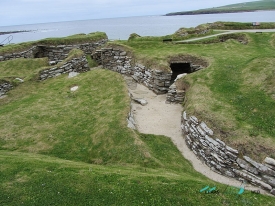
54,53
78,65
5,87
58,53
117,60
223,159
24,54
174,95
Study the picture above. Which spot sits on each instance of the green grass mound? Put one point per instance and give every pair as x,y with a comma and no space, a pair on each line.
59,147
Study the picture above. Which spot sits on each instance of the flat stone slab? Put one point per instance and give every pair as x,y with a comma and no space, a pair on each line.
143,102
20,80
270,161
73,89
73,74
131,83
3,96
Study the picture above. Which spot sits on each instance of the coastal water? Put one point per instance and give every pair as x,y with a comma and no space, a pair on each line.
121,28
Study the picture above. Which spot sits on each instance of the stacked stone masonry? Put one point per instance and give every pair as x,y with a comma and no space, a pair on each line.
54,53
75,65
24,54
117,60
174,95
5,87
223,159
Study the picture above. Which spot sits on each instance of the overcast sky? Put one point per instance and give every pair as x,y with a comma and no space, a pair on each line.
17,12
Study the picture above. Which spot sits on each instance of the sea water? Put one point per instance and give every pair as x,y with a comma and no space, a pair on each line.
121,28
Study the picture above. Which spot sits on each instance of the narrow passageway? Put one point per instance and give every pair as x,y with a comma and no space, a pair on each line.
160,118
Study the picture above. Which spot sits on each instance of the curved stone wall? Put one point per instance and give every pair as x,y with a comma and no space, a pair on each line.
75,65
54,53
223,159
117,60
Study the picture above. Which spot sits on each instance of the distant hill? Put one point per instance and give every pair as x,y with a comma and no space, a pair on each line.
232,8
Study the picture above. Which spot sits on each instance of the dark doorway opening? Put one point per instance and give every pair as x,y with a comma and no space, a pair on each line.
179,68
40,52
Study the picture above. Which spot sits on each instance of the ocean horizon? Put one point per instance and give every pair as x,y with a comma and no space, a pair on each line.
121,28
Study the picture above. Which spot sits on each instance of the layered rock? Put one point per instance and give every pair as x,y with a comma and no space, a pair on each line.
5,87
119,61
223,159
78,65
54,53
175,95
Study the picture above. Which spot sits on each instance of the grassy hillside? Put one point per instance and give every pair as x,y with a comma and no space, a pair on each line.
28,179
232,8
235,94
59,147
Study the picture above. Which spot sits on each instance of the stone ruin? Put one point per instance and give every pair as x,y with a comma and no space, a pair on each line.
223,159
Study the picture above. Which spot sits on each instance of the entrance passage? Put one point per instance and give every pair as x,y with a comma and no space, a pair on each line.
179,68
39,52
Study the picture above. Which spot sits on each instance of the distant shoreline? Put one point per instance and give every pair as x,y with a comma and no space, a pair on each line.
13,32
213,12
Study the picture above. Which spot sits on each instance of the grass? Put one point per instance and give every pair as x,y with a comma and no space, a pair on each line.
240,37
181,34
28,67
92,63
28,179
74,39
59,147
240,7
240,25
235,94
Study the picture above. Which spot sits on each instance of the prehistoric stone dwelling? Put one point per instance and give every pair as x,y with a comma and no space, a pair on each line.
220,157
159,81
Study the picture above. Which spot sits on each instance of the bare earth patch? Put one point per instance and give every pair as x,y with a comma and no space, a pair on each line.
165,119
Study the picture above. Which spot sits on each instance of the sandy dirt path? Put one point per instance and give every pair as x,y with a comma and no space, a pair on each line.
160,118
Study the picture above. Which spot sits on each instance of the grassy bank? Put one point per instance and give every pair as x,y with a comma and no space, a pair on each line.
234,94
28,179
59,147
262,5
